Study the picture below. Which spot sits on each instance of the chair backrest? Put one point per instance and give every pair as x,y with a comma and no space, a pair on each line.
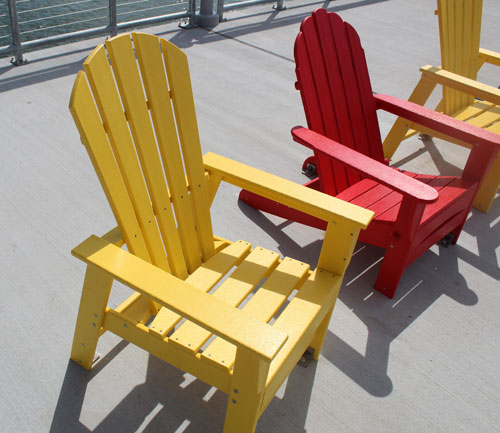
460,34
134,110
334,84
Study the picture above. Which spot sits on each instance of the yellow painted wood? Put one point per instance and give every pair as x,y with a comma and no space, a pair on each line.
187,127
123,60
338,246
220,243
137,334
94,137
319,337
114,236
487,191
461,59
460,27
447,78
256,266
201,308
107,98
153,71
288,276
486,118
213,183
138,307
286,192
244,404
400,128
204,278
133,136
300,320
95,294
489,56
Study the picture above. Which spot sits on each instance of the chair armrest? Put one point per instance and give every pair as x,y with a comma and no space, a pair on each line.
466,85
438,121
367,166
199,307
286,192
489,56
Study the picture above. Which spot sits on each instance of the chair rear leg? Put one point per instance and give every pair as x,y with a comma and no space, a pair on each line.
456,233
319,336
95,294
398,131
486,193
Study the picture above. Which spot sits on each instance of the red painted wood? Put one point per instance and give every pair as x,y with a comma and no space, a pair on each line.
369,167
412,211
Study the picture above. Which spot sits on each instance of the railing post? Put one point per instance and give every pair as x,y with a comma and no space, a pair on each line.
16,34
191,11
220,10
279,6
113,29
207,17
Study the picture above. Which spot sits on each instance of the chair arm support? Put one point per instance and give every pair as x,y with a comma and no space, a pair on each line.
438,121
286,192
489,56
367,166
458,82
199,307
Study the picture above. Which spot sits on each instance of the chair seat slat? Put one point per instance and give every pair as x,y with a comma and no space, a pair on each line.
288,276
256,266
204,278
305,311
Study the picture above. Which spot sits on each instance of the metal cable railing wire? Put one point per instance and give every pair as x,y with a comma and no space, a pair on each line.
28,24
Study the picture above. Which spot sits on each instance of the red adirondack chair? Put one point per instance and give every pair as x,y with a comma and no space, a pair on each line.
412,211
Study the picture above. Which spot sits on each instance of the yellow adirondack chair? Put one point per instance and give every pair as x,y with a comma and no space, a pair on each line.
139,127
463,96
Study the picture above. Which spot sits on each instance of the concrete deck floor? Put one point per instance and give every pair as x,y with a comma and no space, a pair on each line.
426,361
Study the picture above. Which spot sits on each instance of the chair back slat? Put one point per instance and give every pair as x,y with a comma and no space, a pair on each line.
96,140
149,56
128,78
136,102
333,79
187,126
460,32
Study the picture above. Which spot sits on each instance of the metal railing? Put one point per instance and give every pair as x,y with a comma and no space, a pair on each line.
29,24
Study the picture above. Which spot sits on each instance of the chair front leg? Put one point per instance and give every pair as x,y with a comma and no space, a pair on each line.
95,294
247,391
392,268
399,246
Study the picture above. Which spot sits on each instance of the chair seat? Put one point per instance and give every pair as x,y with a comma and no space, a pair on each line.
386,202
481,114
260,283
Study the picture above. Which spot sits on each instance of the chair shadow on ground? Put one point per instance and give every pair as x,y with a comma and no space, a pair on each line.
433,275
483,227
170,401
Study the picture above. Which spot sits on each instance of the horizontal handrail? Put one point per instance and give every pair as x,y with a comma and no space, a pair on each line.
17,18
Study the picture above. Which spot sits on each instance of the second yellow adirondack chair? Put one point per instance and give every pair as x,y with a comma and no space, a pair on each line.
463,96
134,109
